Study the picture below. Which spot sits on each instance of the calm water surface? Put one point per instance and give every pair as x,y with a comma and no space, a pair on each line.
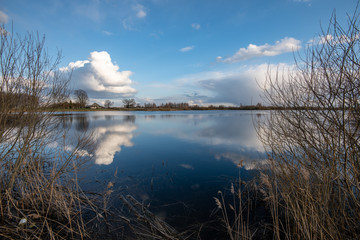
173,162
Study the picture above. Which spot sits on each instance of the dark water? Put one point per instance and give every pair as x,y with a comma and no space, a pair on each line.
173,162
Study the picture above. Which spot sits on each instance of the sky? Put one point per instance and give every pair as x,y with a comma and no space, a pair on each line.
156,51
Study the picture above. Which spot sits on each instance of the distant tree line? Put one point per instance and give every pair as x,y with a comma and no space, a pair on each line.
130,103
81,101
17,100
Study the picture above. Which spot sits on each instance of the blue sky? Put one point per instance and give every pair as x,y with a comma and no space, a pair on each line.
197,51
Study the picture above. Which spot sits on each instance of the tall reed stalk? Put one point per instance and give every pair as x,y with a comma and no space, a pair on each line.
313,139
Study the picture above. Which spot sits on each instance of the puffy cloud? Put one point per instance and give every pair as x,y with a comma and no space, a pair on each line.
186,49
283,46
100,77
195,26
3,17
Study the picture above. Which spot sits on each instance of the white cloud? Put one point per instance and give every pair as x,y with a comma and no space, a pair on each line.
320,40
331,40
325,39
186,49
140,11
283,46
3,17
107,33
195,26
100,77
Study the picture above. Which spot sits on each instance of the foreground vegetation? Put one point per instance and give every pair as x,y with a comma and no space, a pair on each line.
39,195
311,187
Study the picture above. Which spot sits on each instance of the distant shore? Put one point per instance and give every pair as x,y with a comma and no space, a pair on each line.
161,109
156,109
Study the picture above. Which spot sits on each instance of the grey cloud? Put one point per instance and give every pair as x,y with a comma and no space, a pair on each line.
235,90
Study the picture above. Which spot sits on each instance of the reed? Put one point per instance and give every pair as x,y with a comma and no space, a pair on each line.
236,209
43,204
313,184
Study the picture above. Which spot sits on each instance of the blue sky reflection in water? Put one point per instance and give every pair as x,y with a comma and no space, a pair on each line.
174,162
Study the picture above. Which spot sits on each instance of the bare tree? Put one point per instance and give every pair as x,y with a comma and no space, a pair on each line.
129,103
108,103
29,171
81,97
314,142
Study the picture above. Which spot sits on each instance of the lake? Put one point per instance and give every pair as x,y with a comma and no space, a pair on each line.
172,162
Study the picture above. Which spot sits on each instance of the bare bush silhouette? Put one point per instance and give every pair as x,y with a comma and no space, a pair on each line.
314,185
39,195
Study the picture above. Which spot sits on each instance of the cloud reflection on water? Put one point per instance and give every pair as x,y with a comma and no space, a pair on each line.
110,140
231,135
109,131
242,160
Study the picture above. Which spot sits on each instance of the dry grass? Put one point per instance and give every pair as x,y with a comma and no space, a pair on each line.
39,193
313,186
236,208
45,201
146,225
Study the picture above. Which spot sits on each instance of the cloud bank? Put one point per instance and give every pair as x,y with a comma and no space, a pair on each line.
100,77
241,85
283,46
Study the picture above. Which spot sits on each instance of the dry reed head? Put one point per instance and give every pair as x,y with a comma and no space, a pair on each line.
305,174
218,203
264,179
232,189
